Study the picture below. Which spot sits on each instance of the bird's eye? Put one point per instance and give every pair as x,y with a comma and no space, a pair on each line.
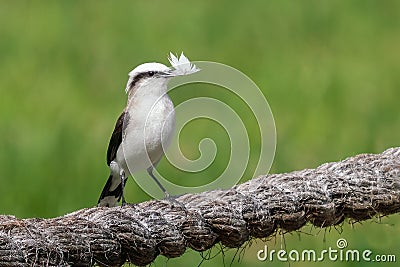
151,73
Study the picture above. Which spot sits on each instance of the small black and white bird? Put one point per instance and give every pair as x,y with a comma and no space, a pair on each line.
145,128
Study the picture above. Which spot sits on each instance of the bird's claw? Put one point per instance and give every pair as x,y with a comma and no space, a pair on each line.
172,200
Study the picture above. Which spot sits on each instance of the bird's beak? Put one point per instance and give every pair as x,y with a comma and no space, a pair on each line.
167,74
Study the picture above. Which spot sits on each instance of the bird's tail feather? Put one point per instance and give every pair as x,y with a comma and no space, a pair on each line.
112,192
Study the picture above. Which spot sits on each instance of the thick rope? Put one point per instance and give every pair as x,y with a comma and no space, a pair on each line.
359,188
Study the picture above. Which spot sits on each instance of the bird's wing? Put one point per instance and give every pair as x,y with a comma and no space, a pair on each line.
116,138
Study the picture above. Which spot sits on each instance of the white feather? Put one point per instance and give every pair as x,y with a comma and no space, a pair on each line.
181,65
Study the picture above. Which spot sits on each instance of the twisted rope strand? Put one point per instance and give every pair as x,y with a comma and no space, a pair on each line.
358,187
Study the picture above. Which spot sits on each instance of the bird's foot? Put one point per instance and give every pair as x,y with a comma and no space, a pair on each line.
172,200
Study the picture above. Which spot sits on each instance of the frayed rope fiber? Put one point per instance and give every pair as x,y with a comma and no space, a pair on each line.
358,187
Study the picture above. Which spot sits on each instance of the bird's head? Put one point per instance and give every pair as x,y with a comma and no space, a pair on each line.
157,74
148,74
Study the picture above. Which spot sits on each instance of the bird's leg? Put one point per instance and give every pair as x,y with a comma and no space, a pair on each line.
167,196
150,172
123,179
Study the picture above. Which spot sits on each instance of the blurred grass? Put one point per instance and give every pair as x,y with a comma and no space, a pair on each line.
330,71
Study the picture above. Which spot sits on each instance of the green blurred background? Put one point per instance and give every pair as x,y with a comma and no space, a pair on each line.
329,69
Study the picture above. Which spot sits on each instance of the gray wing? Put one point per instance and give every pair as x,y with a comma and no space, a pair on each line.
116,138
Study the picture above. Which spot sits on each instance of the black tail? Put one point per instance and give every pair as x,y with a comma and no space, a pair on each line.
112,192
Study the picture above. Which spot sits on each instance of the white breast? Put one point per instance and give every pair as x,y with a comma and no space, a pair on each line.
149,130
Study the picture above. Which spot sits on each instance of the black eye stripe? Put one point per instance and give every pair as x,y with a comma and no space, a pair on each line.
142,75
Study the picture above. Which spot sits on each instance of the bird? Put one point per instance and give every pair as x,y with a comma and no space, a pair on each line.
145,127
